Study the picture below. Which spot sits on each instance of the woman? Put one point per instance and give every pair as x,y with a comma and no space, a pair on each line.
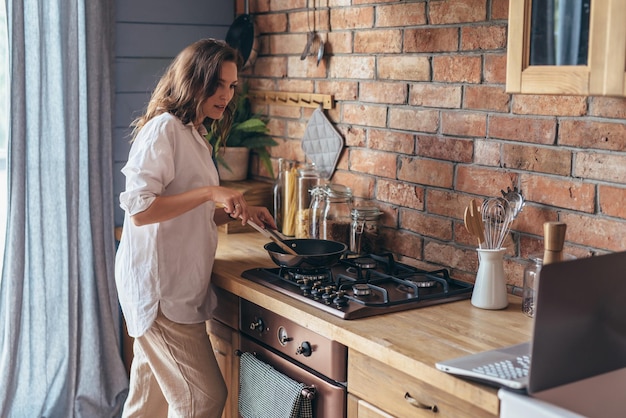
172,209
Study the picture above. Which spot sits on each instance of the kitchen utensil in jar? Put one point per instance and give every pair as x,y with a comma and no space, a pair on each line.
516,200
473,222
312,253
271,235
496,215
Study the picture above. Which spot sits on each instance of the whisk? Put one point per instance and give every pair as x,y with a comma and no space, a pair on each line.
497,215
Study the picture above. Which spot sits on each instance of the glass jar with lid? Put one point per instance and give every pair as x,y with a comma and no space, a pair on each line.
336,215
308,178
364,230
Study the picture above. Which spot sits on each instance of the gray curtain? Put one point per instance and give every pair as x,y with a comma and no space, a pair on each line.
59,318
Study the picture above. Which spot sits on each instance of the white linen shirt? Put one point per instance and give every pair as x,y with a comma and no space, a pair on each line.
166,264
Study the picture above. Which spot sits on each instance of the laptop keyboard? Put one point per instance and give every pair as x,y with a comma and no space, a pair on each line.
506,369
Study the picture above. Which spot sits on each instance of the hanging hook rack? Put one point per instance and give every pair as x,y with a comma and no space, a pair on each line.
292,99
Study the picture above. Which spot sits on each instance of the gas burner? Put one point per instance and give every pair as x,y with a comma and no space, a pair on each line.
310,275
361,289
422,281
365,263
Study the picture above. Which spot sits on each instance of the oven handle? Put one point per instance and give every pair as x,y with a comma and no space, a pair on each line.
308,392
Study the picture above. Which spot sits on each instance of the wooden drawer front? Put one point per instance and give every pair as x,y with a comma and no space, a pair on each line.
397,393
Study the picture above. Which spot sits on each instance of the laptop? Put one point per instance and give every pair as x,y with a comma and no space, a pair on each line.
579,330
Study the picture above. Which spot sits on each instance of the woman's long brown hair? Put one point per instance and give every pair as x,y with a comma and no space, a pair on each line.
189,80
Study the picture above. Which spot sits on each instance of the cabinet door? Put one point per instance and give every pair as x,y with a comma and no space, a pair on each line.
605,68
358,408
384,388
224,339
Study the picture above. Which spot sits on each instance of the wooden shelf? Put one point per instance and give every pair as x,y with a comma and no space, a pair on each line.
292,99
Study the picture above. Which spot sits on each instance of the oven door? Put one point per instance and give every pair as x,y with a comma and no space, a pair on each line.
329,397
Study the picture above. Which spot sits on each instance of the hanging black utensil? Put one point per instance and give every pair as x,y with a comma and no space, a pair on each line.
241,36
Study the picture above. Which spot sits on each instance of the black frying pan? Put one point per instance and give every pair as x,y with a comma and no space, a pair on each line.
241,36
312,253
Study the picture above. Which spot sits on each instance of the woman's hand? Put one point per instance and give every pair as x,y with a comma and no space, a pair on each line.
261,216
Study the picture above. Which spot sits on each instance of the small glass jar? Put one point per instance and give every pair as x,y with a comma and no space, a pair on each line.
285,197
316,208
531,280
364,231
308,178
336,214
532,273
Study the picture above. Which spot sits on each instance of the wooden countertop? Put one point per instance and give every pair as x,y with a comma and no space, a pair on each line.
410,341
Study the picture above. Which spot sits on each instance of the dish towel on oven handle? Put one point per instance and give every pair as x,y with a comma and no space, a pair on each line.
264,392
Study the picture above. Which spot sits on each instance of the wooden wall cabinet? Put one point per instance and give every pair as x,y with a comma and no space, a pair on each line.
605,72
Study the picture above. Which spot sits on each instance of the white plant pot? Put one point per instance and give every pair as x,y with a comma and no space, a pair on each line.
237,159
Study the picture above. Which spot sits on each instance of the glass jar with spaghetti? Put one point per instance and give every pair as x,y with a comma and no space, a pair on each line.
308,178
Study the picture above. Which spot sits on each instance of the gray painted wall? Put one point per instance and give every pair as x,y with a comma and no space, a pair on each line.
149,33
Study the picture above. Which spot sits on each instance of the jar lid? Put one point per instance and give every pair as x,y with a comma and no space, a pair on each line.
366,212
338,190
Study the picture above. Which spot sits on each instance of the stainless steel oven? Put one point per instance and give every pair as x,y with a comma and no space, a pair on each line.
298,353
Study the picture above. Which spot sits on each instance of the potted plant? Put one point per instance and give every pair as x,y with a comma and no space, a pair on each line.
248,132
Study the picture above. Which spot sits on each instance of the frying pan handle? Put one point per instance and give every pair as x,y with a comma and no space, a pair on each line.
269,234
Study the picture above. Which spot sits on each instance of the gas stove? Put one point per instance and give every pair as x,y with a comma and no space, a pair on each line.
363,286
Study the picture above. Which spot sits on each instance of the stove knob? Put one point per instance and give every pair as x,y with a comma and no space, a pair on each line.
304,349
341,299
259,325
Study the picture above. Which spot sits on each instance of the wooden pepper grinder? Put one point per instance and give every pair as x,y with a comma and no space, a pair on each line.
553,241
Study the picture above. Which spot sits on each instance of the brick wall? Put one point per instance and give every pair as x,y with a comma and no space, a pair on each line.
420,101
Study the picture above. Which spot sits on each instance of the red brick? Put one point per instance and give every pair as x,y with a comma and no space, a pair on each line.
564,192
464,123
362,185
352,18
435,95
398,142
401,194
495,68
612,201
486,97
532,217
340,90
551,160
353,136
457,11
364,115
378,41
383,92
272,23
283,44
457,69
487,152
608,107
593,134
412,119
407,14
499,9
529,104
351,67
426,171
526,129
404,243
483,37
270,67
406,68
445,148
483,181
377,163
448,255
595,232
338,43
597,166
431,39
306,68
446,203
425,224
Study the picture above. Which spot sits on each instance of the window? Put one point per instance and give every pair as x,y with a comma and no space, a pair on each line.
4,124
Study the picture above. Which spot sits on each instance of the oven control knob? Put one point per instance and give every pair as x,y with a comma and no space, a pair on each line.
304,349
259,325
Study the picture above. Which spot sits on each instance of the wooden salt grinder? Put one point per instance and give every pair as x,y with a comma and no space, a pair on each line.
553,241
